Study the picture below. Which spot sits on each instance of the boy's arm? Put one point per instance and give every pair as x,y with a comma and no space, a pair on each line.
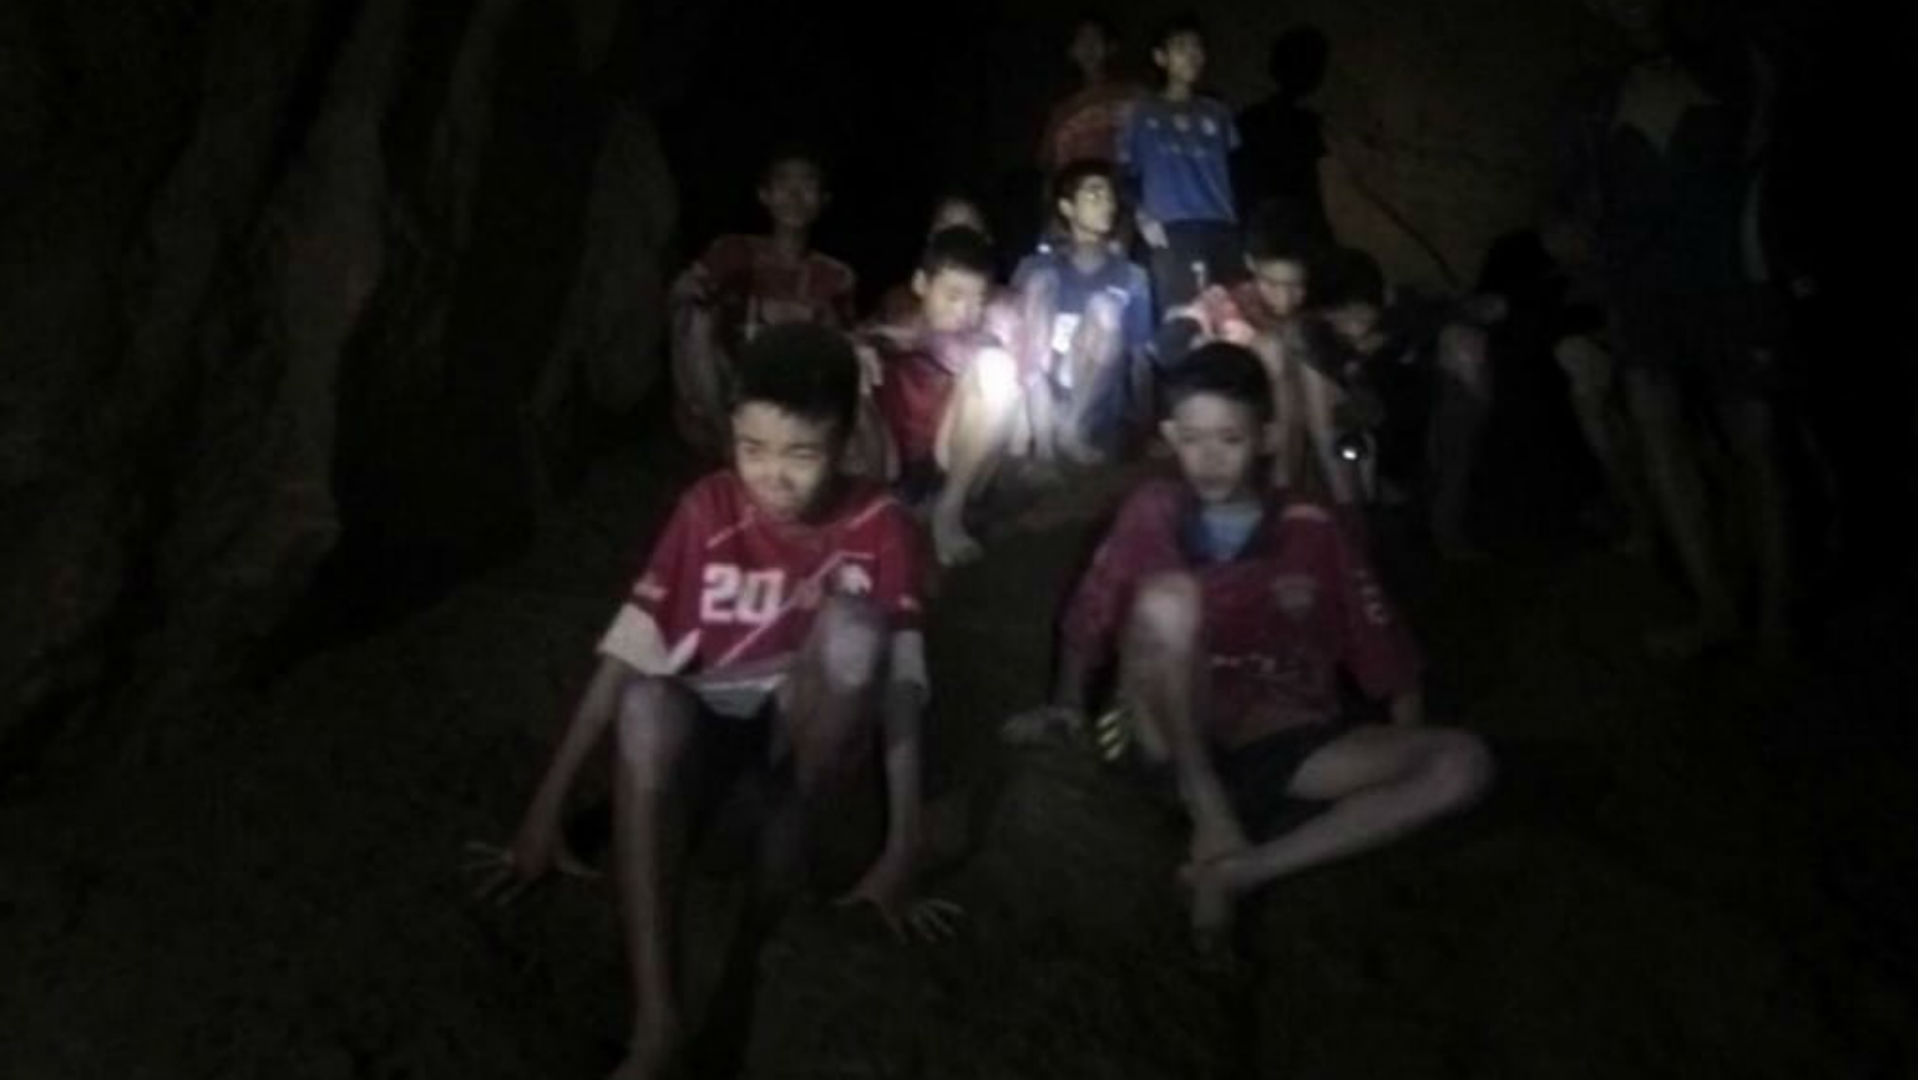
1318,396
538,844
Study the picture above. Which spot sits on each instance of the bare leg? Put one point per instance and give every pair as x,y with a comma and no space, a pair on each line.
1589,372
1677,489
1288,417
651,735
1092,359
1162,666
1750,426
1454,439
1383,782
700,377
974,433
1039,305
827,715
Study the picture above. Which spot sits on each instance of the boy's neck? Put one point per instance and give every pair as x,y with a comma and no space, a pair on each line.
1178,91
1087,250
790,244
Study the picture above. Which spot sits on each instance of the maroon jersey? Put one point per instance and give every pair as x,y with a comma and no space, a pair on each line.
748,273
918,372
1086,125
729,596
1296,604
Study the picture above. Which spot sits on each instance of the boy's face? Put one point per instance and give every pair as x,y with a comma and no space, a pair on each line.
784,460
793,193
957,212
1089,50
1217,441
1183,57
1091,208
952,299
1358,324
1282,284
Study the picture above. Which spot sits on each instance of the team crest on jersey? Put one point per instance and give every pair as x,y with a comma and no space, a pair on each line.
1207,125
1295,594
1181,123
852,579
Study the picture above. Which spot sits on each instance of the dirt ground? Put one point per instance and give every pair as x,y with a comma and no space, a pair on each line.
1698,871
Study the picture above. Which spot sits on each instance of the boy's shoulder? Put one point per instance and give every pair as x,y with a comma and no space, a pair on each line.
838,273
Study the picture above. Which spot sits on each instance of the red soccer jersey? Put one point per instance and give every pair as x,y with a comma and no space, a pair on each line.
918,371
772,291
1280,618
1086,126
729,596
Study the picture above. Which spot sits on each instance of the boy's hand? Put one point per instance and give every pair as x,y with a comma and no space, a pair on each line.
1154,233
885,886
1044,724
507,872
695,286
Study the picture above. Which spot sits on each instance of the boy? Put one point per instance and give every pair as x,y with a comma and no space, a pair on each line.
1413,375
744,283
946,387
777,622
1087,123
1231,606
1177,145
1266,313
898,304
1085,319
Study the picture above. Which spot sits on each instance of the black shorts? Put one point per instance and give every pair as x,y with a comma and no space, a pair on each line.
1257,777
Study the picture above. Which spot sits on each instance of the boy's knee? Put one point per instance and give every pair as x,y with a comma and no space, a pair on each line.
996,379
1461,768
1463,355
1042,286
652,728
1103,312
1588,367
1166,609
853,637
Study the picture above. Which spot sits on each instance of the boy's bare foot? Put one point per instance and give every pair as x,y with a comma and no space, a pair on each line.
951,542
1213,889
649,1055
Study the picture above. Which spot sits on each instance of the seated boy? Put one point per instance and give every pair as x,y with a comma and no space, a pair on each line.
1085,318
776,626
744,283
1266,313
1413,376
899,304
1231,606
946,387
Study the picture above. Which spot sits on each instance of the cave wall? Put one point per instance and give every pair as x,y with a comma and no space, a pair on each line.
275,275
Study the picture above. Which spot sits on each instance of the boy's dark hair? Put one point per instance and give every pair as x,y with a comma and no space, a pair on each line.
1066,183
793,150
1349,276
1187,22
1283,230
802,369
1096,19
1225,370
958,247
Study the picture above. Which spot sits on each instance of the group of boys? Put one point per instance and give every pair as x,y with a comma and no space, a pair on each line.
778,620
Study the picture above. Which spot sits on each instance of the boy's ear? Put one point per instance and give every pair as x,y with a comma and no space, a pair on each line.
1166,430
920,284
1064,206
1270,438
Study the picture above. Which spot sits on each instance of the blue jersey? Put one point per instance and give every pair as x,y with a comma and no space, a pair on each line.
1180,150
1126,281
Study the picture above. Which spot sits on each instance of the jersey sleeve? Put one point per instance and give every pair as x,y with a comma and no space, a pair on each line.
1374,643
1137,324
657,630
1105,591
1230,128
